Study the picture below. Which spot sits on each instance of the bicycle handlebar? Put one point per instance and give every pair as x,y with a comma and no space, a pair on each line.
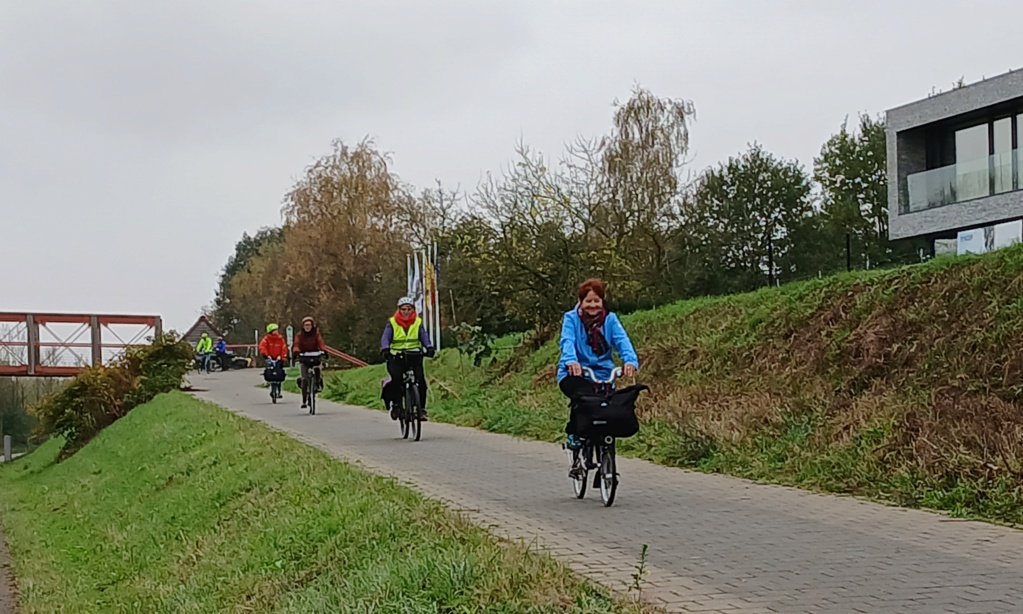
310,354
615,374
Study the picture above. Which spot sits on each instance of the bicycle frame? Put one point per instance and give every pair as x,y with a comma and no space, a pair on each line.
313,360
602,449
408,378
205,359
275,387
409,420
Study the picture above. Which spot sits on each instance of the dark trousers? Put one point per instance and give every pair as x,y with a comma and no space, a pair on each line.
225,362
396,368
570,387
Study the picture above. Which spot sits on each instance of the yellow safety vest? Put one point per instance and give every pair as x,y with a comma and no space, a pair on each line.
404,340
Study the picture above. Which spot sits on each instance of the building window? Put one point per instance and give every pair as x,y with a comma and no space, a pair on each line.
988,238
1018,157
1001,156
972,173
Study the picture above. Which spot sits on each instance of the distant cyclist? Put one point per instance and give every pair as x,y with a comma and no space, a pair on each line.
308,339
405,332
588,335
221,351
205,344
273,345
204,348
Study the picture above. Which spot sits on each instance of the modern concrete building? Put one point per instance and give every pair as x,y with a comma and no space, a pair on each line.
955,171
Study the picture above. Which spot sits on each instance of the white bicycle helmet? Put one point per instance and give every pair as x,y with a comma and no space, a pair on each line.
406,300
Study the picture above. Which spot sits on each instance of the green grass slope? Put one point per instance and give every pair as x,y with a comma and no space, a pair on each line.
183,507
901,385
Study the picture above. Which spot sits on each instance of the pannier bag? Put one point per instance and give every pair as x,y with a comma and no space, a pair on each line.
274,374
597,415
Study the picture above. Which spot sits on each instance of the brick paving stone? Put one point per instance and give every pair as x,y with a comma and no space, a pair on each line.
714,541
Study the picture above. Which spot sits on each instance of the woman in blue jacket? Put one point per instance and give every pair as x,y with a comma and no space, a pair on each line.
588,335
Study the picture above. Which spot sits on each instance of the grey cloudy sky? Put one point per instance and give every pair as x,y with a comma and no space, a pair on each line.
138,140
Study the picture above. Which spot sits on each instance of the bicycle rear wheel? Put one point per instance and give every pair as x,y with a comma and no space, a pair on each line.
412,407
608,474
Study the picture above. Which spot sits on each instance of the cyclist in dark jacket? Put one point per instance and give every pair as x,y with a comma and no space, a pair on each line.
308,339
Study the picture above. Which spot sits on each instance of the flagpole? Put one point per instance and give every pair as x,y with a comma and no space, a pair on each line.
427,307
423,308
436,293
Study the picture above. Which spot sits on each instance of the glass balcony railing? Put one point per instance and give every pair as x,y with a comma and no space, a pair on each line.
965,181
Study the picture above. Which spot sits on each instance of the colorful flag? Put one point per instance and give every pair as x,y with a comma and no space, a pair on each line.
417,284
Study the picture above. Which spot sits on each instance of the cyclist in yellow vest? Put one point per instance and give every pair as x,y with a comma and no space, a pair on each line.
205,344
204,349
405,332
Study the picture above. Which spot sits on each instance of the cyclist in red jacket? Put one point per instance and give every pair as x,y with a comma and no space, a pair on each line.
273,345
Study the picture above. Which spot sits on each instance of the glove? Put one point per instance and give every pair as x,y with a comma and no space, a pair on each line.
386,353
431,352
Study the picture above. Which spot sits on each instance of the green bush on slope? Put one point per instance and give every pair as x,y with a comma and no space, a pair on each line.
99,395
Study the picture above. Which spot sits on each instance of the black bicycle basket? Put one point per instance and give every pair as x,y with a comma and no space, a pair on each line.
614,415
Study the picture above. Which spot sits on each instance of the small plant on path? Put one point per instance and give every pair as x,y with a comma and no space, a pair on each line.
640,573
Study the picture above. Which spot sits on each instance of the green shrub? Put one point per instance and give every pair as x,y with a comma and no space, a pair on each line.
98,396
158,367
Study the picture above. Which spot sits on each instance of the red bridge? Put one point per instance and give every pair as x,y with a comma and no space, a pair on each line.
62,345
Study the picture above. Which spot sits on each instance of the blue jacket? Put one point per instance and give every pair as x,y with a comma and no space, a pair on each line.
575,346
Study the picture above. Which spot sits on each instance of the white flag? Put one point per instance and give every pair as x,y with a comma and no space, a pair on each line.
417,283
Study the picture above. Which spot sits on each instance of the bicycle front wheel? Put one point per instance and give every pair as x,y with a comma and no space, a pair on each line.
412,408
313,385
608,473
579,482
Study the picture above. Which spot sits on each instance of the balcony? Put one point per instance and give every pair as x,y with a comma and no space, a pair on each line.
964,181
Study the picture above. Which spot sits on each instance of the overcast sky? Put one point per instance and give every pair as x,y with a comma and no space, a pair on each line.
138,140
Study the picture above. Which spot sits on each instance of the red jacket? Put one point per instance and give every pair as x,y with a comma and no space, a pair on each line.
274,346
309,342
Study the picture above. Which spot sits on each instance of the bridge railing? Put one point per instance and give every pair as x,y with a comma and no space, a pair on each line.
62,344
330,352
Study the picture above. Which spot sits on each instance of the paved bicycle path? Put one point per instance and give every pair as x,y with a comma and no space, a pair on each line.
716,544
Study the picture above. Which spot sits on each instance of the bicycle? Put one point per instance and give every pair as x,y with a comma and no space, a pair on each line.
582,459
312,360
275,385
204,363
408,412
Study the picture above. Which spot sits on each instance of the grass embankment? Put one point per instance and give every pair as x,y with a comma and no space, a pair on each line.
183,507
900,385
